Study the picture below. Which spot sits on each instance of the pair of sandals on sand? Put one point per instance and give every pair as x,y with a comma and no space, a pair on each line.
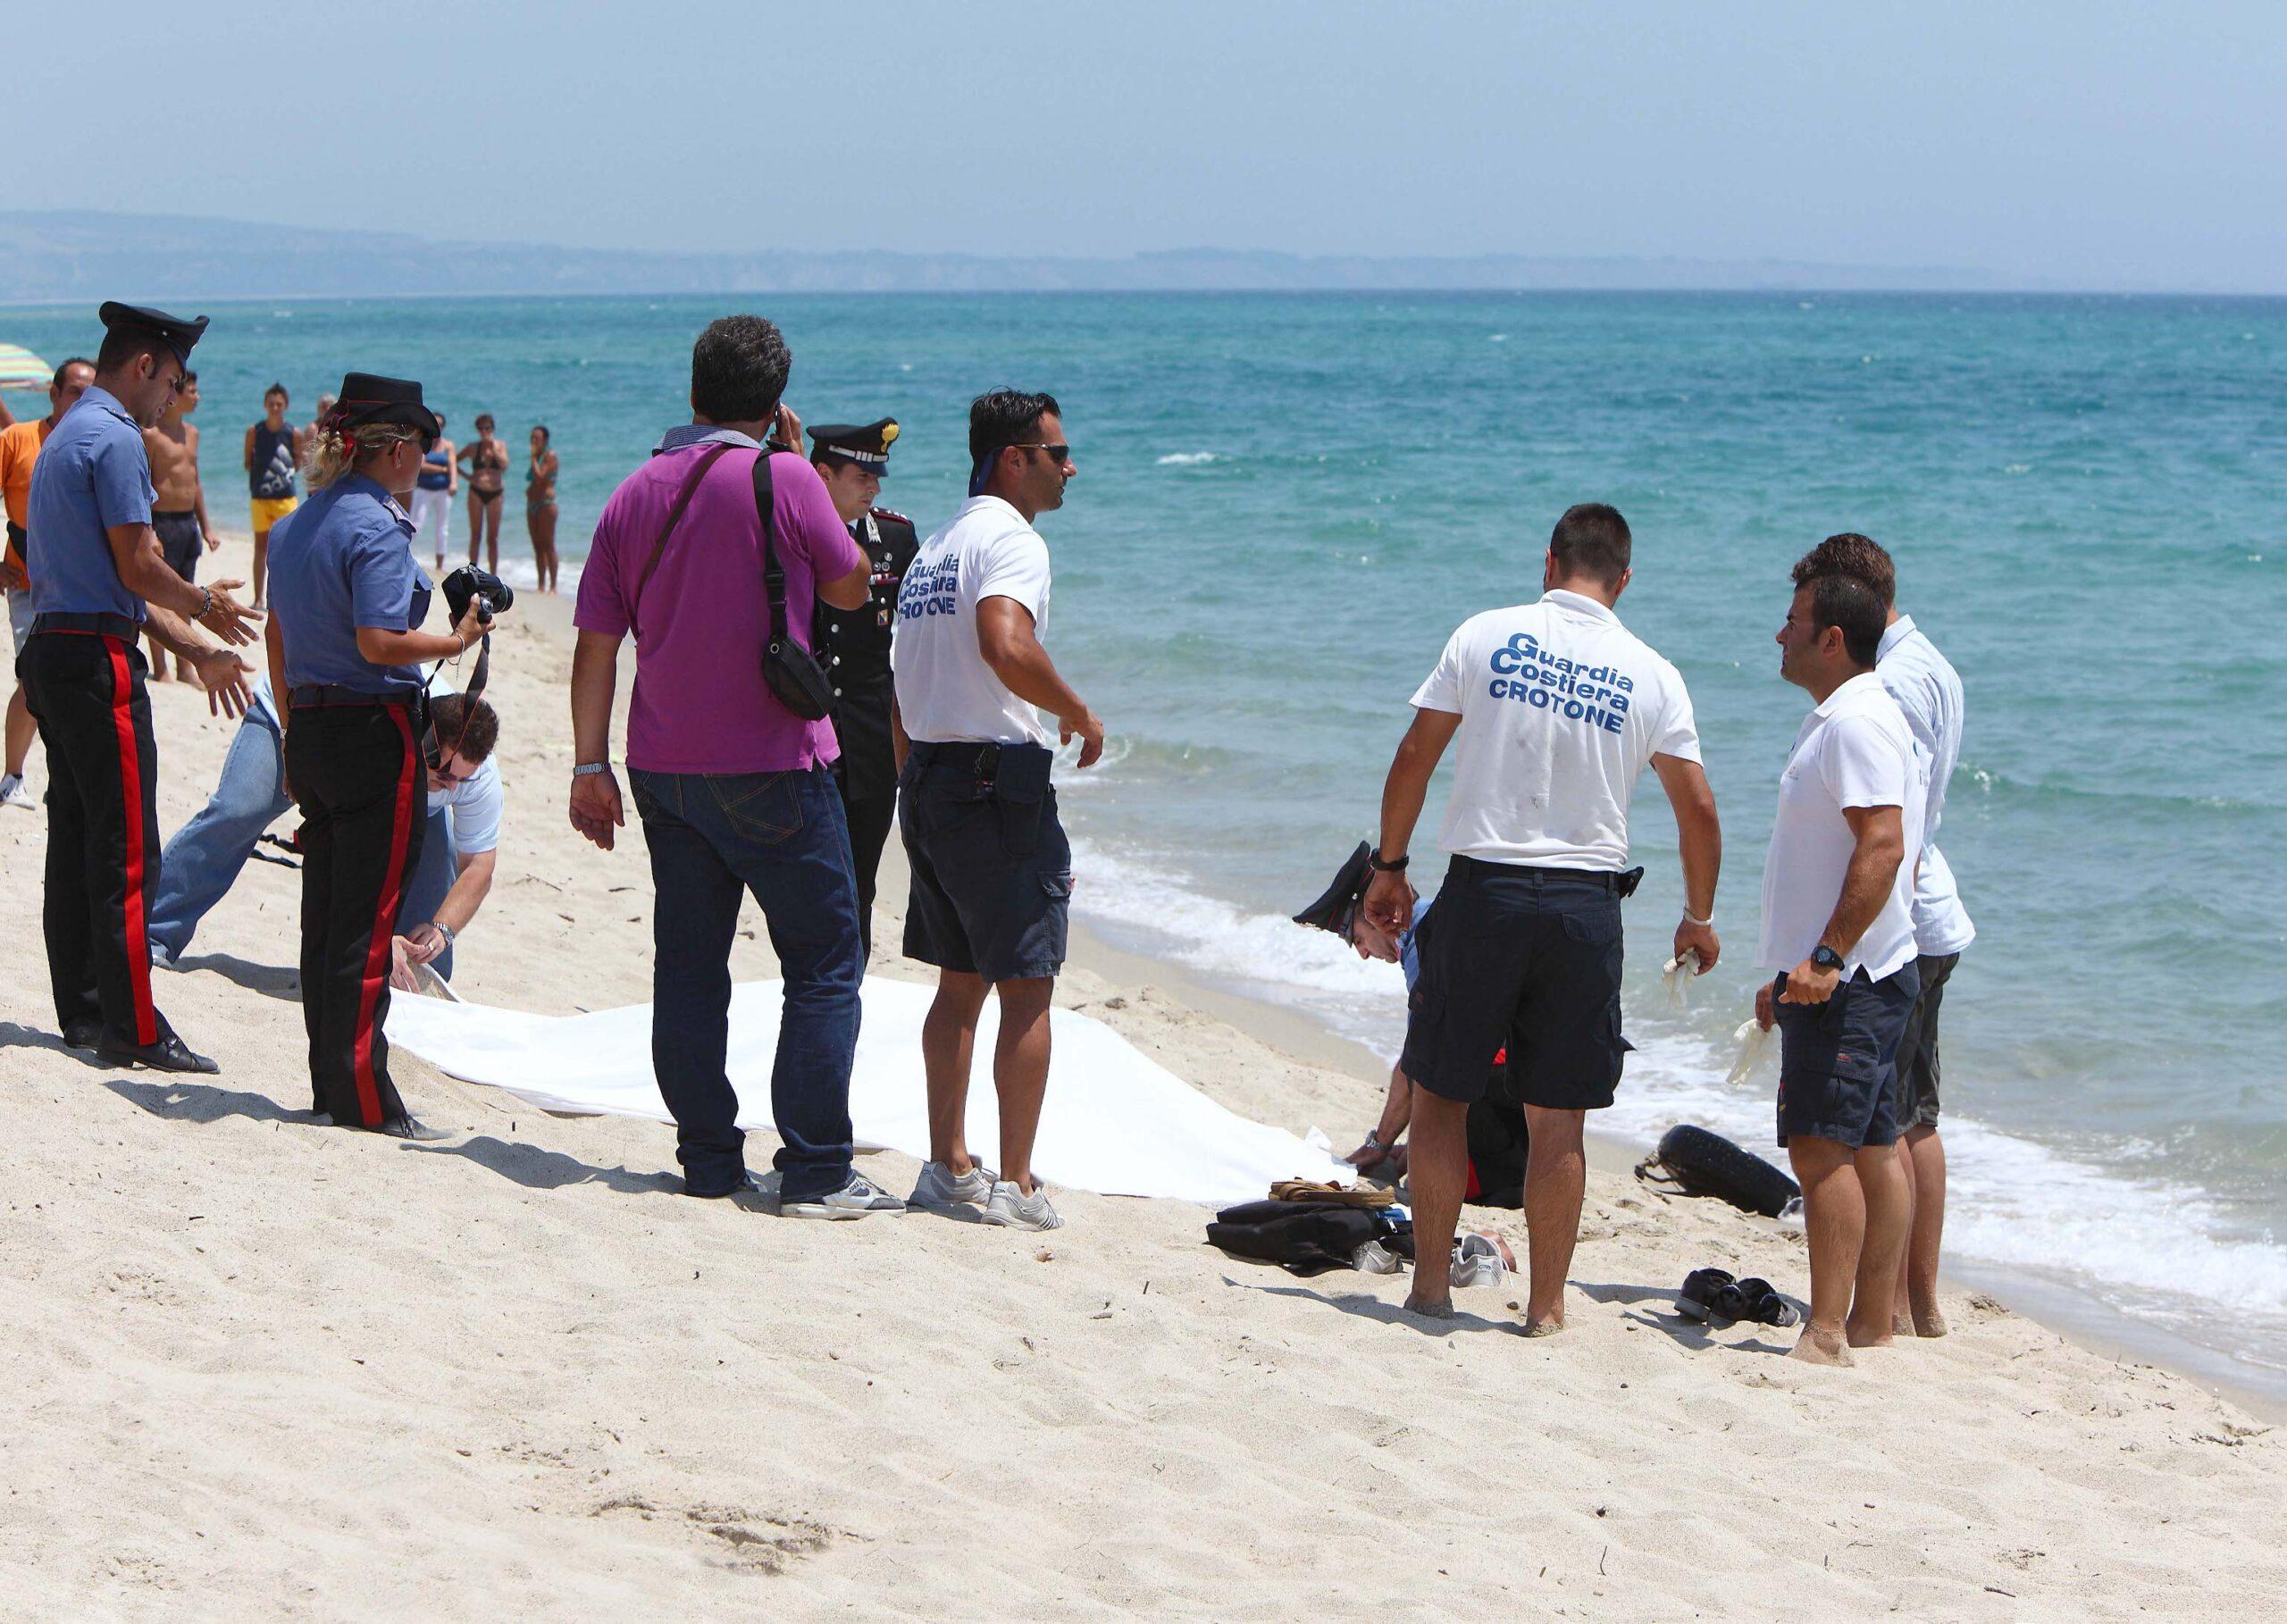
1710,1296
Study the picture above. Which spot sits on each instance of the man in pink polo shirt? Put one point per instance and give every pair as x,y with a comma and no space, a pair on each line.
734,789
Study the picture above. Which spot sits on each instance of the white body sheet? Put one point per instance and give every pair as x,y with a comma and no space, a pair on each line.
1115,1121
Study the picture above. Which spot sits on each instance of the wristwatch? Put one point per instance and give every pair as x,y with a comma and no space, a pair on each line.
589,769
1826,958
1395,866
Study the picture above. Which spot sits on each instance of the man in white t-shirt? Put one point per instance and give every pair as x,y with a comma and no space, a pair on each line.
992,868
1838,925
1556,707
1929,692
462,845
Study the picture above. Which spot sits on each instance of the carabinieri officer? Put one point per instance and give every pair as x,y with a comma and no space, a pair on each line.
855,643
347,602
101,578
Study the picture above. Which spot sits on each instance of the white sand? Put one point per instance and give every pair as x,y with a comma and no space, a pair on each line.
260,1368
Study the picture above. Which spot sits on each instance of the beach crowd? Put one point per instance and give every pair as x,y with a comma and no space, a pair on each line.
809,673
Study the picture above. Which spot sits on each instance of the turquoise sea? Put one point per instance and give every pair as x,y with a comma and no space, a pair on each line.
1286,503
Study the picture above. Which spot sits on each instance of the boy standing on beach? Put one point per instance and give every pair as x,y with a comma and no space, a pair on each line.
992,869
1929,692
19,449
273,451
1557,708
1838,924
179,514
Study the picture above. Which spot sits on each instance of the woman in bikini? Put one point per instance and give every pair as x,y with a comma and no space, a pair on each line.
540,507
485,461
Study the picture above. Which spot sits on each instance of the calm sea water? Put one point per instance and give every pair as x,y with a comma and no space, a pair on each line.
1285,503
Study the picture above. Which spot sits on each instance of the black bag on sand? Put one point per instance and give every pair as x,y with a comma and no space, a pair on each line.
1305,1238
1693,1162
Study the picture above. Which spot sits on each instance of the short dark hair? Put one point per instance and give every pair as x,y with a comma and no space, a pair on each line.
483,731
1850,604
57,382
738,370
189,376
121,345
540,428
1592,540
1004,417
1860,557
278,390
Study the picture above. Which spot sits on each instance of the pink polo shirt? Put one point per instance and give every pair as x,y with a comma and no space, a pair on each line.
700,703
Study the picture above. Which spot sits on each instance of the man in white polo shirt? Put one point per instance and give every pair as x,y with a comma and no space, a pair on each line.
1929,692
992,869
1838,925
1557,707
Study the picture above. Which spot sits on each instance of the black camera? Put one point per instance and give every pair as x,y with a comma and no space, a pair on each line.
491,594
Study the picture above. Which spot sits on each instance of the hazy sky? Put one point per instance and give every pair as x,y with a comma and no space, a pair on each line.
2095,144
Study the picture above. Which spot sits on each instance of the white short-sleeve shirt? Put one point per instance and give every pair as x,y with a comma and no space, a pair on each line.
1853,751
945,692
474,806
1561,707
1929,690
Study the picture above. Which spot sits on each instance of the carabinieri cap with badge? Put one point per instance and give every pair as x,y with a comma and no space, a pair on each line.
867,446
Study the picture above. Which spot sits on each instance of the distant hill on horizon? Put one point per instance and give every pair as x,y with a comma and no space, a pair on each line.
58,255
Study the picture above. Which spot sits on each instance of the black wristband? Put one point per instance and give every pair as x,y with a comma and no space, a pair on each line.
1381,867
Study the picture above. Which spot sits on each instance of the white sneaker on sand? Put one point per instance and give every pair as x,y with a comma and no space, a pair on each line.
854,1200
1013,1209
940,1189
12,793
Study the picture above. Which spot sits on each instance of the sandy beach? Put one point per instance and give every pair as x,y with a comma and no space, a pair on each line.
261,1368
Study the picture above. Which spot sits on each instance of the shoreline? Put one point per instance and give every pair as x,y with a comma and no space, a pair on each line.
253,1352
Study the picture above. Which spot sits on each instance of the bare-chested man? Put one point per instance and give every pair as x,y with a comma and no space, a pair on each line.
179,514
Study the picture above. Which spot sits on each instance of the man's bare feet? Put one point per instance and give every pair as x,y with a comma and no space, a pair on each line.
1928,1321
1541,1327
1442,1309
1901,1325
1817,1347
1870,1337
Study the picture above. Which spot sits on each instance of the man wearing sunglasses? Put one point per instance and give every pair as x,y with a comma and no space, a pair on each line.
992,869
463,841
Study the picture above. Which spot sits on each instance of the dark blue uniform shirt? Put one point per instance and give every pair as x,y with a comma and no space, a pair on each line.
341,560
92,474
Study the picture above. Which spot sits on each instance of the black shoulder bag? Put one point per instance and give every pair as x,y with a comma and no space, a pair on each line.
792,671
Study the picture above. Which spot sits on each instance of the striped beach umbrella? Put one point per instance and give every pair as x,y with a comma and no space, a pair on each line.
20,369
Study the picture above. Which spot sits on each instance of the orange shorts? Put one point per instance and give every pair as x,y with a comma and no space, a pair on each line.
269,510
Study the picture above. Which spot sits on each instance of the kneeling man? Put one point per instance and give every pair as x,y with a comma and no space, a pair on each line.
1838,924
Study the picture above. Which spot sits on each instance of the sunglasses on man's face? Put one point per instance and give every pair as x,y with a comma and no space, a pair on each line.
1058,455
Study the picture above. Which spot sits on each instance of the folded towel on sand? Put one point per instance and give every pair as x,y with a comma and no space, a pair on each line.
1115,1122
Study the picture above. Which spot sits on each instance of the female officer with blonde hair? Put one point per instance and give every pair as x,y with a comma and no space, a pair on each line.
346,604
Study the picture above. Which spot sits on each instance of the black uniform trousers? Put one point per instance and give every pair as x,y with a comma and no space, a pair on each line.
869,812
358,777
86,691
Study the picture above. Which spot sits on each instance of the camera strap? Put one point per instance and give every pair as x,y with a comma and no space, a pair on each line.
707,460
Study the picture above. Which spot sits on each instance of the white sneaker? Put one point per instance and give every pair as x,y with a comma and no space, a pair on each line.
940,1188
12,793
855,1200
1013,1209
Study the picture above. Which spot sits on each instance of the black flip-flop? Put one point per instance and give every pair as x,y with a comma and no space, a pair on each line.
1759,1304
1703,1289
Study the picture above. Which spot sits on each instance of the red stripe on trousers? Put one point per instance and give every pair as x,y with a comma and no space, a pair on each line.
377,955
130,797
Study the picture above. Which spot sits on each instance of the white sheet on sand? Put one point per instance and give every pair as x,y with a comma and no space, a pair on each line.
1115,1121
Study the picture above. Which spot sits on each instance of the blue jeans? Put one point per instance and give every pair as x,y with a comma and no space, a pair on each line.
203,860
432,878
780,836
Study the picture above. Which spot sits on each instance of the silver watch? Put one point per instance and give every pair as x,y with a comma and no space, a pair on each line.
589,769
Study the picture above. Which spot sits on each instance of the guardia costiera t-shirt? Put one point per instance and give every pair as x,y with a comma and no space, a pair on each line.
1561,708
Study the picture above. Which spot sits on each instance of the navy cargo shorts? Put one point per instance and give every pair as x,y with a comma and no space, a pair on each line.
992,869
1527,959
1838,1060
